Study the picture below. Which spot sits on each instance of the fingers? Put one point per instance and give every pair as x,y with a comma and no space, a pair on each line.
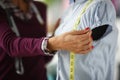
83,49
79,51
86,36
79,42
83,43
86,42
86,51
79,32
82,35
87,47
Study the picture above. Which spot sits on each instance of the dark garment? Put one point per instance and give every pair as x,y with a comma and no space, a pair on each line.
98,32
27,46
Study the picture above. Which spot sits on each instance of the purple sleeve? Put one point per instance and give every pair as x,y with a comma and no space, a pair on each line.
17,46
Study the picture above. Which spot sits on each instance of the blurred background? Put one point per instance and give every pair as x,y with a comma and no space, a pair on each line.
54,11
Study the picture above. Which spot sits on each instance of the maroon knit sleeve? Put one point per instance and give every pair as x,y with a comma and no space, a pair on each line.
17,46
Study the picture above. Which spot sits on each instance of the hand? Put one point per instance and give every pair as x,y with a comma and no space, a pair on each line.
75,41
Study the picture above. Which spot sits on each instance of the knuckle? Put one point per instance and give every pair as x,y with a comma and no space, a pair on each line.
78,51
83,52
90,44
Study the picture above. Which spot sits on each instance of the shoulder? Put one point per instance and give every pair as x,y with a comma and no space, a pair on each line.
102,7
103,3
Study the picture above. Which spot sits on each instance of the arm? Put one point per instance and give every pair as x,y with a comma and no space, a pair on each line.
17,46
102,19
75,41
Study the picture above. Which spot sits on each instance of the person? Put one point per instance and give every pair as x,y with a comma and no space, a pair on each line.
24,47
97,64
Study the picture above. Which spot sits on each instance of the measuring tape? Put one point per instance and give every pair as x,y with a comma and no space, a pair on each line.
72,54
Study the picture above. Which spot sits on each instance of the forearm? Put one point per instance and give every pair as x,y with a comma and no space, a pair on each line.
20,47
26,47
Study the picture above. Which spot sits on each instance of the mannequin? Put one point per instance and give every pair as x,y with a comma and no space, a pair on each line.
99,63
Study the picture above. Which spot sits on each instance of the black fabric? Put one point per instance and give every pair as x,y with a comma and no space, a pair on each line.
98,32
118,72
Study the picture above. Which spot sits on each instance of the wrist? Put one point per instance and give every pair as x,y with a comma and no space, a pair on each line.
45,48
52,44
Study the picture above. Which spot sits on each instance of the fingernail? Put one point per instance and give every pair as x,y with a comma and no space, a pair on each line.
87,28
92,47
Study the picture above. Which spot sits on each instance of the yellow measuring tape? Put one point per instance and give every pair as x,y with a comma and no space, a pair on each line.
72,55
